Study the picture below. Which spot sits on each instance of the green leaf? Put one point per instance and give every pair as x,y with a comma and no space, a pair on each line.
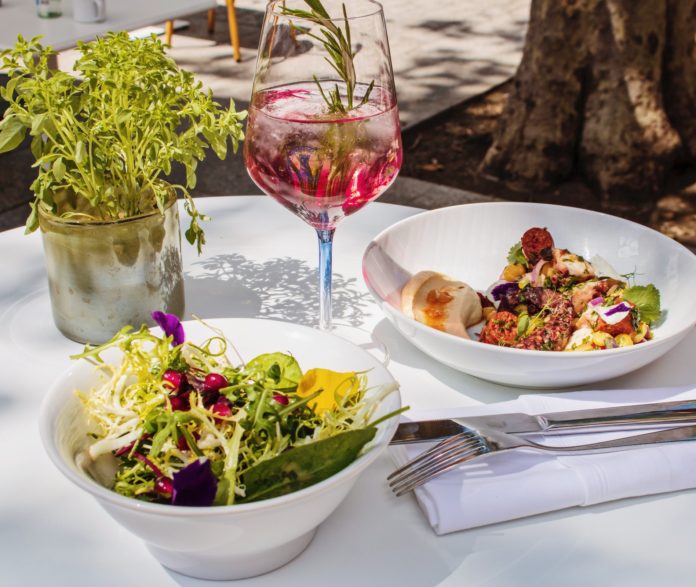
37,123
123,117
80,152
305,465
190,235
37,145
516,255
223,490
646,299
317,6
282,368
7,91
522,324
190,167
59,169
12,134
33,221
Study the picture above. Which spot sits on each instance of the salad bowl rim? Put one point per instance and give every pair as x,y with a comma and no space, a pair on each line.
55,400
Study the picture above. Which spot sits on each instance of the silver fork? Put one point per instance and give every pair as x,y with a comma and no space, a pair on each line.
473,443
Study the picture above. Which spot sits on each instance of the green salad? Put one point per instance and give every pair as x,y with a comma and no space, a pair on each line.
187,426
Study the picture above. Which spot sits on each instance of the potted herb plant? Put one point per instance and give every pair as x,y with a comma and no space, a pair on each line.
104,140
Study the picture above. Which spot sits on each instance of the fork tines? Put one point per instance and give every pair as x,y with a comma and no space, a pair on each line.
444,456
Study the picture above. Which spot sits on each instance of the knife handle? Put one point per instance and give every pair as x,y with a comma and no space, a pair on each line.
678,434
656,413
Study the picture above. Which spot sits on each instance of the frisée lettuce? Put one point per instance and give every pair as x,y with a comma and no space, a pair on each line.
187,426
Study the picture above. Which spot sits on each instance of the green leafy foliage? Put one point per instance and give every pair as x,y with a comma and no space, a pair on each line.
245,426
646,299
104,138
304,465
516,255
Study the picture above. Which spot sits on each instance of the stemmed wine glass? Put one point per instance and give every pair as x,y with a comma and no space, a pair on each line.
323,135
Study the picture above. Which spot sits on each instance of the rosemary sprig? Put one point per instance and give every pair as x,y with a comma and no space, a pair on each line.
337,43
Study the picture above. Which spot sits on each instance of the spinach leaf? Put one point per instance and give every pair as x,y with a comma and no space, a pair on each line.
305,465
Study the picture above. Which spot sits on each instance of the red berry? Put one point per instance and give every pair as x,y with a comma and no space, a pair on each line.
214,382
222,407
164,486
180,403
173,379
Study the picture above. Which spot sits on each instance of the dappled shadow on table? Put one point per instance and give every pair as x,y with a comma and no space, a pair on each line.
282,288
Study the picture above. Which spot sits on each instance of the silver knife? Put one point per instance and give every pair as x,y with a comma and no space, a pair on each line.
633,417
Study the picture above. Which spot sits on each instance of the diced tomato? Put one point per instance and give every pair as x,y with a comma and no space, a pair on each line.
501,329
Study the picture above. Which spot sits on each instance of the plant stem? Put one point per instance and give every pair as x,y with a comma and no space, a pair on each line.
338,45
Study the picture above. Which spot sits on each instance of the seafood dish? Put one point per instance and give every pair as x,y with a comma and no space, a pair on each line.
547,299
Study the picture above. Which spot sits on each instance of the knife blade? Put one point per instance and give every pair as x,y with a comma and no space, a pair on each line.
630,417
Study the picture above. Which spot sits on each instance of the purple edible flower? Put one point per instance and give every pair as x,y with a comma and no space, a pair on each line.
171,326
616,309
194,485
499,291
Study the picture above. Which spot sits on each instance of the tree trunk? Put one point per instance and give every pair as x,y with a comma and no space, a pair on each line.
680,71
589,95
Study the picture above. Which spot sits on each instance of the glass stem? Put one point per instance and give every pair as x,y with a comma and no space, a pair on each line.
325,250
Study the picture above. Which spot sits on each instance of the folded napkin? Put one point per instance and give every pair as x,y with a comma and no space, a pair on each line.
519,483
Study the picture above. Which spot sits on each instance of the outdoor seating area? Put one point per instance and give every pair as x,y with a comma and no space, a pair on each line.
479,373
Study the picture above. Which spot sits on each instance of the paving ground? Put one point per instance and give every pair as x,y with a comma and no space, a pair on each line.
442,54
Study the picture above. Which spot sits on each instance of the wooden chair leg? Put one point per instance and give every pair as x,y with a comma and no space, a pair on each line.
234,32
168,32
211,21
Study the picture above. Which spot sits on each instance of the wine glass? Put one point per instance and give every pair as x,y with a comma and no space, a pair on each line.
323,135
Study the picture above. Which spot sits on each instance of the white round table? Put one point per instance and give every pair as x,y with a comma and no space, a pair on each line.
260,261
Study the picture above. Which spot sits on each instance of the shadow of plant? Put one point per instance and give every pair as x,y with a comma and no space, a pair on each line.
282,288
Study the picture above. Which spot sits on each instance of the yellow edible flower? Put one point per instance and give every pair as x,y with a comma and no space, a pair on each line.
334,386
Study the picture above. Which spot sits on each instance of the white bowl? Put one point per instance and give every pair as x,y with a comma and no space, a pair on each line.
226,542
471,243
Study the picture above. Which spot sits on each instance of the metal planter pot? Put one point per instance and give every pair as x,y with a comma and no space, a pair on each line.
105,275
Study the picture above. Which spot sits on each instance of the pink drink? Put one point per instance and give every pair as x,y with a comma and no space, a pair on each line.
321,166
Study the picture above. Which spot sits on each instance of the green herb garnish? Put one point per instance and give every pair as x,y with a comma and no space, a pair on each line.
516,255
646,299
338,45
522,324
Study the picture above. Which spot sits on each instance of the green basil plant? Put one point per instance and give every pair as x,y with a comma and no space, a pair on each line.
105,137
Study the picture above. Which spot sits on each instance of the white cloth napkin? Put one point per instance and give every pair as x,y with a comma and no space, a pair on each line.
518,483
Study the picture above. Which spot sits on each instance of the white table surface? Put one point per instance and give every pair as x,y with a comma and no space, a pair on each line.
18,17
53,534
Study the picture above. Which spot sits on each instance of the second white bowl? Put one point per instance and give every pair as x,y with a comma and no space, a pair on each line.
471,243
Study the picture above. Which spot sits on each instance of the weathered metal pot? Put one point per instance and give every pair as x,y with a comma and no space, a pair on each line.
105,275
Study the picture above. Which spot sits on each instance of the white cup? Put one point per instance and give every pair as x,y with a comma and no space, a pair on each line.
89,10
